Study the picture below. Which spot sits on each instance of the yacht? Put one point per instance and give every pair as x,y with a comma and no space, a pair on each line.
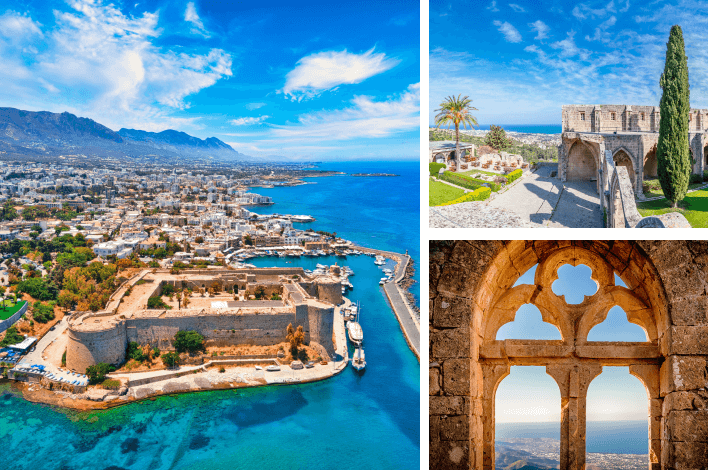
359,361
356,335
273,368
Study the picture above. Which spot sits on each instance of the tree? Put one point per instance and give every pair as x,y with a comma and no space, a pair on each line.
295,337
155,302
97,373
189,341
456,111
260,292
496,138
672,153
170,359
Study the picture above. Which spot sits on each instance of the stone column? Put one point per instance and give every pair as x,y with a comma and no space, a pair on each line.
492,374
648,374
573,381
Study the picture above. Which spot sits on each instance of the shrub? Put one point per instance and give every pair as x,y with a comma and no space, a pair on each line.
135,352
514,175
97,373
170,359
468,182
695,179
222,369
168,289
38,288
479,194
111,384
156,302
435,168
189,341
156,352
42,313
11,337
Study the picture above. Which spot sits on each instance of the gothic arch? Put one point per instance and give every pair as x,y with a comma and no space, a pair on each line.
650,168
572,361
582,162
623,157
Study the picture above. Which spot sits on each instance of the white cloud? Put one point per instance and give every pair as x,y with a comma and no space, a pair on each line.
601,33
248,121
510,33
366,118
541,29
567,46
517,8
17,27
493,6
583,11
106,65
327,70
191,16
252,106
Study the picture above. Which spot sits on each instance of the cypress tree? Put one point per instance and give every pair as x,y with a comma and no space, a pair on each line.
672,152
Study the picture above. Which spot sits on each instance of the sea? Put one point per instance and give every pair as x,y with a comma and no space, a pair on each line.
608,437
527,128
368,421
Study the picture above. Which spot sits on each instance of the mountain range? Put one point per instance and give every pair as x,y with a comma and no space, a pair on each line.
41,134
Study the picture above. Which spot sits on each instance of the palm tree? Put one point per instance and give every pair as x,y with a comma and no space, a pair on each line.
456,110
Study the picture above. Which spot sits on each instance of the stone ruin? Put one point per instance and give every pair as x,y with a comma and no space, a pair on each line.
471,297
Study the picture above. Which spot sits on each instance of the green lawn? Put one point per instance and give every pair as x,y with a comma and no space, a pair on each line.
440,193
660,192
694,207
10,309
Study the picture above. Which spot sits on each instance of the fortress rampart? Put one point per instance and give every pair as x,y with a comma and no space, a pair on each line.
103,336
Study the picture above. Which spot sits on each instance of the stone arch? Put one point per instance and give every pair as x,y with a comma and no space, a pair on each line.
622,157
582,162
650,166
496,301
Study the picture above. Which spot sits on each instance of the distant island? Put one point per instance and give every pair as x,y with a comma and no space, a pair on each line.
374,174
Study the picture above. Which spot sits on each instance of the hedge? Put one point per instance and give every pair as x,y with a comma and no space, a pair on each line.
468,182
435,168
479,194
514,175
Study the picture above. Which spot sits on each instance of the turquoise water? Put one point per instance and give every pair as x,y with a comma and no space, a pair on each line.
528,128
369,421
376,212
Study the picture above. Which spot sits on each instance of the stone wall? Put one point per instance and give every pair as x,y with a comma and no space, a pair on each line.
86,348
465,278
329,291
321,326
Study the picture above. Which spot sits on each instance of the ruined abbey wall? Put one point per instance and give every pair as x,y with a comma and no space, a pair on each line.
667,284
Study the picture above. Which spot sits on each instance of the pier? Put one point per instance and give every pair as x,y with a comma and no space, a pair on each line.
410,324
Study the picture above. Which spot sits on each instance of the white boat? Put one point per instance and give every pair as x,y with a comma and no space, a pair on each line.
356,335
273,368
359,360
320,266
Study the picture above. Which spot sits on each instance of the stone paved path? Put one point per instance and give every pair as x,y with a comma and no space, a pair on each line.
536,201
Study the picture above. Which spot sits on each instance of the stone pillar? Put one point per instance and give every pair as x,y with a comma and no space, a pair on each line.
648,374
597,114
627,118
492,375
573,381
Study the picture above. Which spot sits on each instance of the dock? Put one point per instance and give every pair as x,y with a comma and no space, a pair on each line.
407,319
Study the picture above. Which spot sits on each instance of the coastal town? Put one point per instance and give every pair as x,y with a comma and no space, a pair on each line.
104,270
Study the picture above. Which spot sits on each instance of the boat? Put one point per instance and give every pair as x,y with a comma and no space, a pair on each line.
356,335
273,368
259,368
359,360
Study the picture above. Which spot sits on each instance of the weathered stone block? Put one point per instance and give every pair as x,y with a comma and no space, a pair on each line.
448,405
683,373
689,426
688,455
451,312
691,311
677,401
456,377
450,343
688,340
683,281
434,381
454,428
450,455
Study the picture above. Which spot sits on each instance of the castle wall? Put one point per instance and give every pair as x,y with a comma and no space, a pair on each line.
329,291
86,348
321,326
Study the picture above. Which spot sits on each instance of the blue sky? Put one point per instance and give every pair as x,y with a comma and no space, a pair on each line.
520,61
528,394
313,80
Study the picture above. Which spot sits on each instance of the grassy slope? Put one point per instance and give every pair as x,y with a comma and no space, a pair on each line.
694,207
440,193
10,309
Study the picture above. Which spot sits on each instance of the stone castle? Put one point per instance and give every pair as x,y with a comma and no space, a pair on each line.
629,133
472,295
305,301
